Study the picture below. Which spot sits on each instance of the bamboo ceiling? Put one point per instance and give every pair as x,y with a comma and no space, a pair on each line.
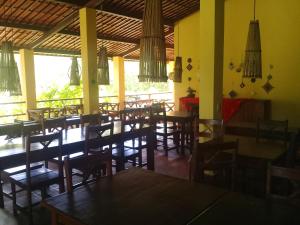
52,26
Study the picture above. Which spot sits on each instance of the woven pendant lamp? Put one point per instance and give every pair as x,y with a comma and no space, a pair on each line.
252,63
103,70
178,63
74,73
152,44
9,74
178,70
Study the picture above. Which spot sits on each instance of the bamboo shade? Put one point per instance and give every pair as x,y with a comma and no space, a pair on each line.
178,69
152,44
253,64
74,73
103,70
9,74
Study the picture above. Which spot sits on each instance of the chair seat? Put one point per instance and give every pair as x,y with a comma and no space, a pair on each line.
135,144
168,133
19,169
39,177
128,153
70,156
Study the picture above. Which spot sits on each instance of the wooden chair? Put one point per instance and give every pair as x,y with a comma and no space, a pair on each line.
54,124
95,134
90,119
74,110
113,111
91,167
290,179
164,130
41,178
208,128
276,130
133,151
57,112
213,160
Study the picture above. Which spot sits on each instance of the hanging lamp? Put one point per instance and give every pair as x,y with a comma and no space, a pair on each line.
9,74
74,72
102,68
178,63
252,63
152,44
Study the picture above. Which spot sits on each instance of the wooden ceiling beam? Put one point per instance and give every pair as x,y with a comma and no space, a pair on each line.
110,10
73,33
63,24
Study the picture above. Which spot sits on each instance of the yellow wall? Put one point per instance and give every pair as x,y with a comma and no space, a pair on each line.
280,38
188,45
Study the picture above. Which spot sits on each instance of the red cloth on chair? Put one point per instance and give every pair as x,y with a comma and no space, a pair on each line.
185,103
229,106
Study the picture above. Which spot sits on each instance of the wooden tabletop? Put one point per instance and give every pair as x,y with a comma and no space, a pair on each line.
178,115
12,153
248,147
238,209
135,197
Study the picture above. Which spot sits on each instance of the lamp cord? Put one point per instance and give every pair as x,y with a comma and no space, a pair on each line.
254,8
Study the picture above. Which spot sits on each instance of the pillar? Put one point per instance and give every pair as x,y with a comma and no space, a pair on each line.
88,38
28,77
119,79
211,58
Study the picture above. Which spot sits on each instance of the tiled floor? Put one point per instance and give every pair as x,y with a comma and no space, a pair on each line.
174,165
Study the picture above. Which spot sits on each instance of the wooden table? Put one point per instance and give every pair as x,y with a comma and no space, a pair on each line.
134,197
183,118
238,209
248,147
253,156
13,153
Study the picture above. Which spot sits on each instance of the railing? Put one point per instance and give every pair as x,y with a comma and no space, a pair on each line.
17,109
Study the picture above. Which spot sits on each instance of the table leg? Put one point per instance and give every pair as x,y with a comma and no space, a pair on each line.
182,140
150,150
1,195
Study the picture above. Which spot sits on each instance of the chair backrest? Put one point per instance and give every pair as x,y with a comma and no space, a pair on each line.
54,124
57,112
132,124
50,145
288,174
272,129
103,107
90,119
74,110
36,115
129,104
95,134
158,114
214,155
208,128
90,165
291,154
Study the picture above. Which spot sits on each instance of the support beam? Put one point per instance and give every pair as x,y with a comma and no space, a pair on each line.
89,59
211,50
119,79
28,78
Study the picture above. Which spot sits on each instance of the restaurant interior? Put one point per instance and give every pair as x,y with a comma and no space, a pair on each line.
223,149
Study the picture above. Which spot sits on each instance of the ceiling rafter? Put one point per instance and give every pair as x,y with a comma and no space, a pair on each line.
110,10
72,33
61,25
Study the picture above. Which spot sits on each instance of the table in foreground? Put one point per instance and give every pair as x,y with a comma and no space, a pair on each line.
237,209
134,197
